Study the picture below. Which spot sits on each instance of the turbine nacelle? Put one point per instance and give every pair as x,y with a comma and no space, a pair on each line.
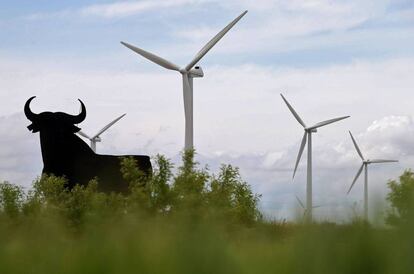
196,72
311,130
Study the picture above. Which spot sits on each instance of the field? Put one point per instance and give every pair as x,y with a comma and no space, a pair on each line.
191,222
133,244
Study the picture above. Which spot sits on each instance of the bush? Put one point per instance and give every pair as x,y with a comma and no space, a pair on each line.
232,197
11,199
401,198
192,192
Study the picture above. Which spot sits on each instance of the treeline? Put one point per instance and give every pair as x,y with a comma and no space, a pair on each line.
187,191
191,193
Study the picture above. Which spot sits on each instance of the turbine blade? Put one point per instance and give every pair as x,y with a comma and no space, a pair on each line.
81,133
356,146
327,122
152,57
108,126
356,177
293,111
378,161
213,41
302,147
300,202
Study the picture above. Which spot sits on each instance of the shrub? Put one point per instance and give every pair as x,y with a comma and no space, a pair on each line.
192,191
401,198
11,199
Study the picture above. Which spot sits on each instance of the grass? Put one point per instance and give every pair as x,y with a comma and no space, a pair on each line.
132,244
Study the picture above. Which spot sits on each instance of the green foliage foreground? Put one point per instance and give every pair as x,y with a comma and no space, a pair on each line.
191,222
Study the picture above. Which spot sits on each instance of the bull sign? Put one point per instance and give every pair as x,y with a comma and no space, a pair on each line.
65,154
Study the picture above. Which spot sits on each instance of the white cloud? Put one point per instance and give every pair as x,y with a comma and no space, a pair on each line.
128,8
283,18
276,27
288,26
67,13
117,9
20,159
239,119
392,135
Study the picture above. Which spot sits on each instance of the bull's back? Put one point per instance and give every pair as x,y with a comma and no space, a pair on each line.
108,171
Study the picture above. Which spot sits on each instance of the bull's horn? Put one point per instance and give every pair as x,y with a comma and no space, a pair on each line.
29,114
77,119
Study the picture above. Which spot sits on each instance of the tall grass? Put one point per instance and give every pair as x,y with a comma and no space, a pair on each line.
190,222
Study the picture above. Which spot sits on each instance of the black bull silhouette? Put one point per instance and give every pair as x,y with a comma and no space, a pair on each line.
65,154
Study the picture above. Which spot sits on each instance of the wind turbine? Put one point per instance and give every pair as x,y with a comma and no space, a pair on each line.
303,207
96,138
308,135
365,163
188,73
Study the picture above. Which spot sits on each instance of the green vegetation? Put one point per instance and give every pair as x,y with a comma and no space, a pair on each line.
401,198
188,221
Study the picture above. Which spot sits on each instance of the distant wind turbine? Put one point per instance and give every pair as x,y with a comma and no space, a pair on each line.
96,138
308,135
303,207
365,163
188,73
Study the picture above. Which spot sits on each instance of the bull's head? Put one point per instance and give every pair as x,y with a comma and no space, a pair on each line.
56,121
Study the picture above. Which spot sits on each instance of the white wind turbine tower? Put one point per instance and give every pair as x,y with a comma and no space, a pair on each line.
188,73
307,136
365,163
96,138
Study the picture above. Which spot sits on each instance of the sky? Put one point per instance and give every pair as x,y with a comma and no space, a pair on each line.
329,59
